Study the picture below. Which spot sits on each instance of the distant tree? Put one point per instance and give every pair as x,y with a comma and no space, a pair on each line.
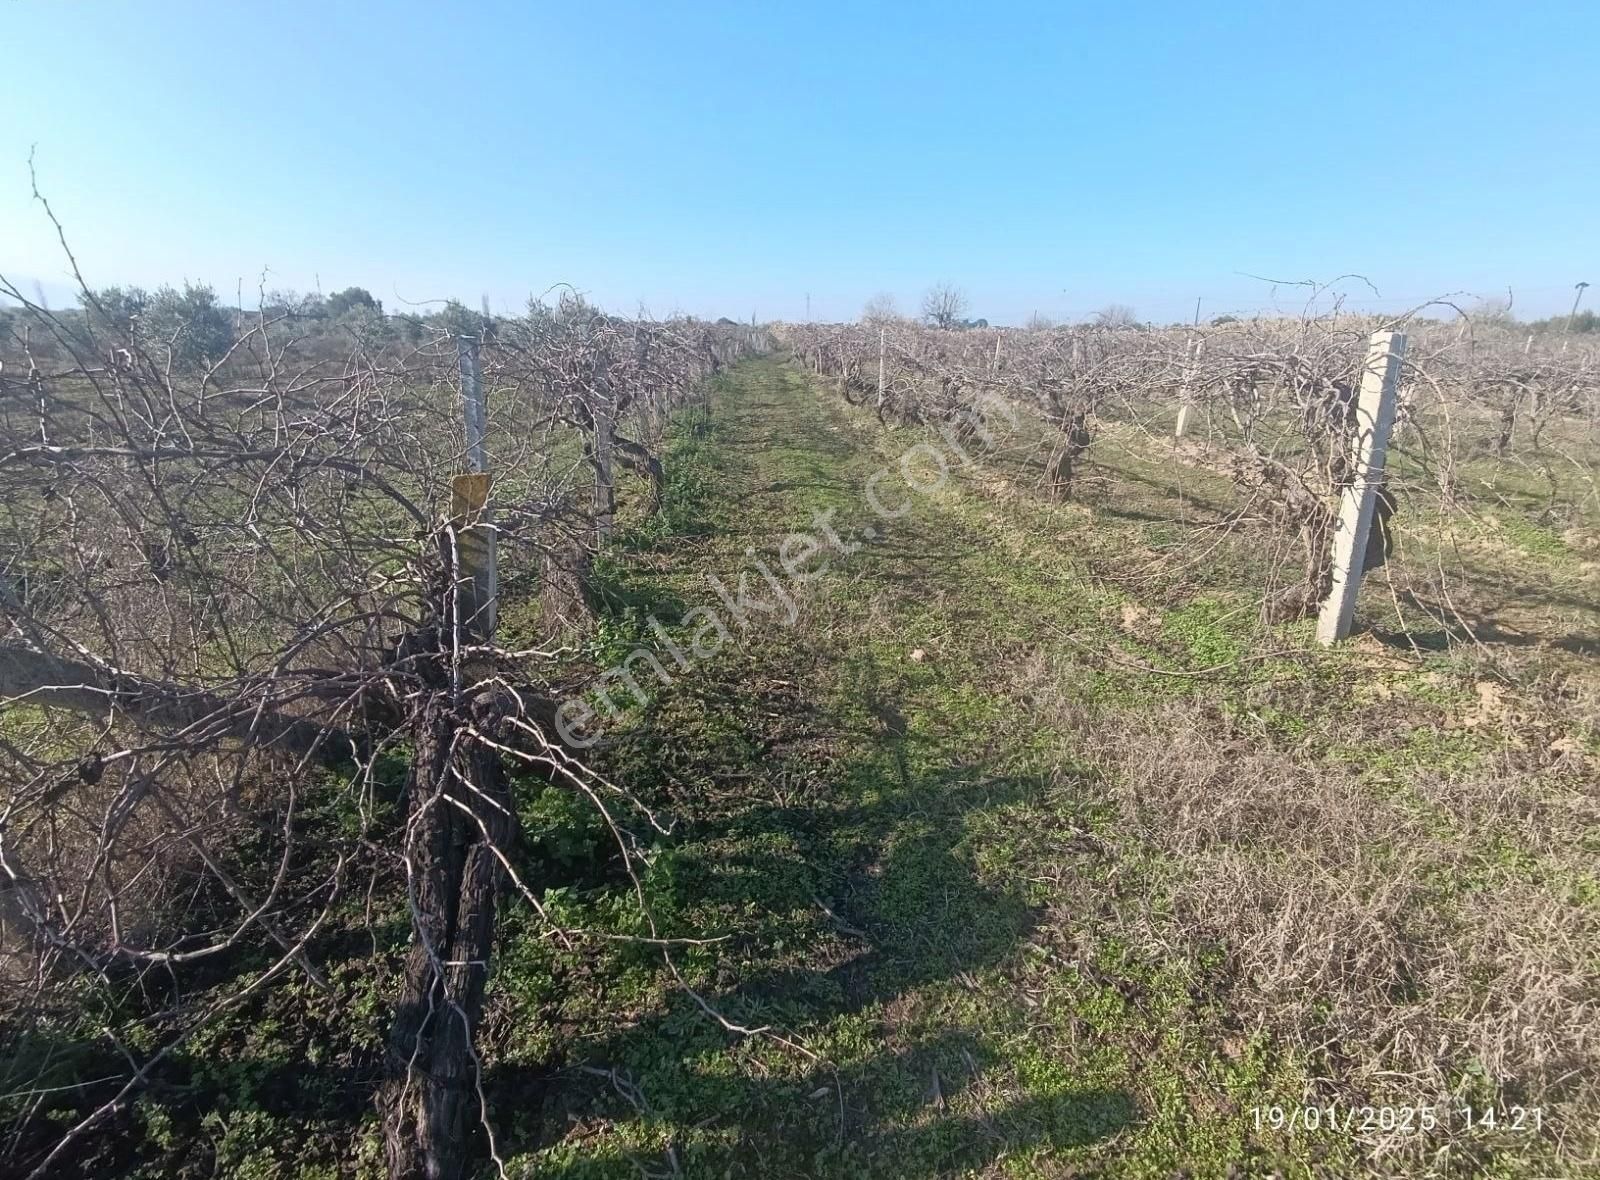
880,309
117,310
572,309
1116,315
285,301
358,298
1493,310
191,322
1218,321
407,327
280,301
1584,322
944,306
458,319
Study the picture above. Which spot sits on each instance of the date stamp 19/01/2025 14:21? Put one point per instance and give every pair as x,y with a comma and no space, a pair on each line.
1378,1120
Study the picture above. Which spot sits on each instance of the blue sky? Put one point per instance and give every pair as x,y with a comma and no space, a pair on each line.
729,158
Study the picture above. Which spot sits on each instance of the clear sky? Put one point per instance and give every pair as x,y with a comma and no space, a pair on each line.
724,159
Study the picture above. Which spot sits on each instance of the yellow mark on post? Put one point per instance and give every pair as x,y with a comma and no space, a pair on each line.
468,495
475,550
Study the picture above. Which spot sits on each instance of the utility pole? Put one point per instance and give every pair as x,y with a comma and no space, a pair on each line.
808,307
1573,314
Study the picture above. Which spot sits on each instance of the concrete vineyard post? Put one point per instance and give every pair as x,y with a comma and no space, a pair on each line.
477,579
1375,407
1186,393
475,537
881,348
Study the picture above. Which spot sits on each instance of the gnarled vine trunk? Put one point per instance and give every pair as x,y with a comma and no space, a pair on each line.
1075,439
457,814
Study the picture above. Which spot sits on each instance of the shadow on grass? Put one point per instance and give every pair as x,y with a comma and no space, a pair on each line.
1174,492
862,899
1457,625
616,593
188,1099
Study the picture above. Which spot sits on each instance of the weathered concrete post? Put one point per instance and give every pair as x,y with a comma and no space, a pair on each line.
1375,407
1186,391
477,578
882,346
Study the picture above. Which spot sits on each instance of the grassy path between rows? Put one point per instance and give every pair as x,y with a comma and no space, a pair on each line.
893,813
